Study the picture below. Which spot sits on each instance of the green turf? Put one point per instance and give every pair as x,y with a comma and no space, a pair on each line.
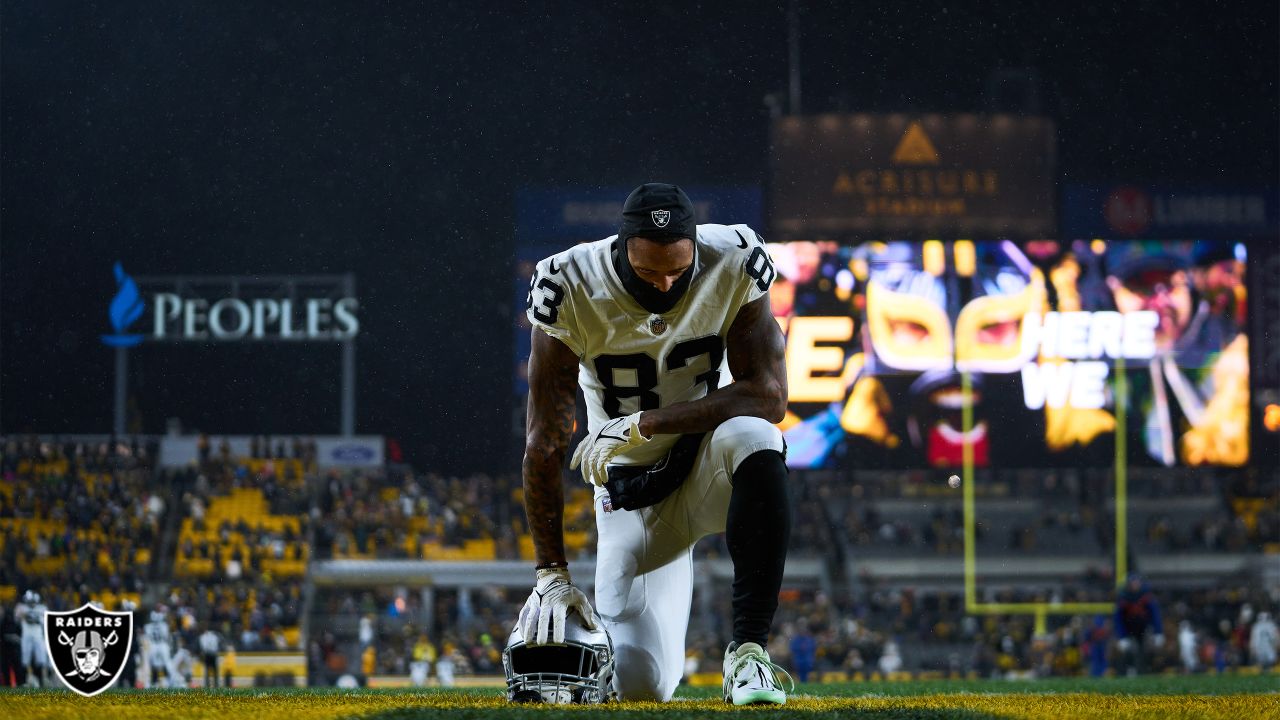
675,712
1233,697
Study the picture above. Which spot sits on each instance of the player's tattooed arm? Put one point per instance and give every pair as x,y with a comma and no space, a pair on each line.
553,383
757,359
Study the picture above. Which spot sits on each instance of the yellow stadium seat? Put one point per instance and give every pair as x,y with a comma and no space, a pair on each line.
482,549
575,541
526,547
284,568
195,567
43,566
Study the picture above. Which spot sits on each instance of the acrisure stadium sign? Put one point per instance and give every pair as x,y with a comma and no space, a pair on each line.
863,176
225,314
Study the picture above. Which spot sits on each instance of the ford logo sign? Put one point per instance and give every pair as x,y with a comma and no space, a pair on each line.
353,453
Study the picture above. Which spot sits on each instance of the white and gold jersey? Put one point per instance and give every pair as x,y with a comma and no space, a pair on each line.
631,359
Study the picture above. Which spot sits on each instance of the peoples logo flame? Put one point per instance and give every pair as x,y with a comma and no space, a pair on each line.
126,307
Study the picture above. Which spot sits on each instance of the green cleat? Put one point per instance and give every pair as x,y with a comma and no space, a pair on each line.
751,678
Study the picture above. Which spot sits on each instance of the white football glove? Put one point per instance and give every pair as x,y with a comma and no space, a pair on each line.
548,607
596,450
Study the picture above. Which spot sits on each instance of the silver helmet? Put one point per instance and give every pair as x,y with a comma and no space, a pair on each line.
579,671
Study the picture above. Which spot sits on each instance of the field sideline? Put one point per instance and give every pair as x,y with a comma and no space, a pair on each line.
1166,698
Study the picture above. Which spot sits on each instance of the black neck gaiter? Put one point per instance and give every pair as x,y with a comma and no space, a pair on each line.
650,297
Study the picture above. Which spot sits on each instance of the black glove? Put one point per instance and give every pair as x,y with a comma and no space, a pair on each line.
632,487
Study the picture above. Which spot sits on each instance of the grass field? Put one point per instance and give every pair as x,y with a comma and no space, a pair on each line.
1165,698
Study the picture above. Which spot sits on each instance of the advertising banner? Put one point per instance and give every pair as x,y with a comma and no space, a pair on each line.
1169,212
359,451
842,176
332,451
230,309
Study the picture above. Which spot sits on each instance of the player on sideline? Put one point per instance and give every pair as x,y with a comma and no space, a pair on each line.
650,323
159,650
34,654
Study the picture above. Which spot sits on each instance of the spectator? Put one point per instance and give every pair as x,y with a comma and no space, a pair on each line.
445,666
11,671
424,653
1187,647
890,660
804,650
1137,612
1097,647
1263,641
209,644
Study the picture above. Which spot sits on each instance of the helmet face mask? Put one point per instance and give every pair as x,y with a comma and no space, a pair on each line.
579,672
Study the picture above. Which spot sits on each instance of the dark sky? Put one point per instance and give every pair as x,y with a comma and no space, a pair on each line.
387,140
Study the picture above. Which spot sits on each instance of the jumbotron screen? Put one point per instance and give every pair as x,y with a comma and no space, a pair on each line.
1061,342
1054,336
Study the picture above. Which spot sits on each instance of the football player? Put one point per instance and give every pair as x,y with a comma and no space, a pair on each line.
159,650
31,612
666,328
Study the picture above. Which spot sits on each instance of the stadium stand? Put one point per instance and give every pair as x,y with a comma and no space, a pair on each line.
227,544
78,521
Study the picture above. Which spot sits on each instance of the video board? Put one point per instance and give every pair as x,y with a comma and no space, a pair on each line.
880,333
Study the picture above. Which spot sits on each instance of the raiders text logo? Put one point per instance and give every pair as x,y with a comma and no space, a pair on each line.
660,217
88,647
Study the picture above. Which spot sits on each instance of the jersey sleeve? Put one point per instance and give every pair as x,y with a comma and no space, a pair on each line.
758,272
550,303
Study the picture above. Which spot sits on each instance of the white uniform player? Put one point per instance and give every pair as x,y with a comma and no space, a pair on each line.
31,612
633,358
637,355
160,651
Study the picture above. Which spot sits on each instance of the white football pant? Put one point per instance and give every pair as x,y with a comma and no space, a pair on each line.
33,650
161,658
644,560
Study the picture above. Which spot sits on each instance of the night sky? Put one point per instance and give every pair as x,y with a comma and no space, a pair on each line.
388,140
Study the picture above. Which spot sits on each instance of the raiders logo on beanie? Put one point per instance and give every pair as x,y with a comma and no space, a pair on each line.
658,210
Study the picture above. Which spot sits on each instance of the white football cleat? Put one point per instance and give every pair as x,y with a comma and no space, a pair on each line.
750,677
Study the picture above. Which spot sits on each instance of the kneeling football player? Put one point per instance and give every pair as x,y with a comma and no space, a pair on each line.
666,327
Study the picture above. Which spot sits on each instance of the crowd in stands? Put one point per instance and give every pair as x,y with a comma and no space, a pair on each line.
243,543
77,519
817,635
385,630
1062,511
397,514
929,631
250,615
224,546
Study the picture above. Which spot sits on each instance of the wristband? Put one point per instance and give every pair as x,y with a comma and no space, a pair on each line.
559,565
